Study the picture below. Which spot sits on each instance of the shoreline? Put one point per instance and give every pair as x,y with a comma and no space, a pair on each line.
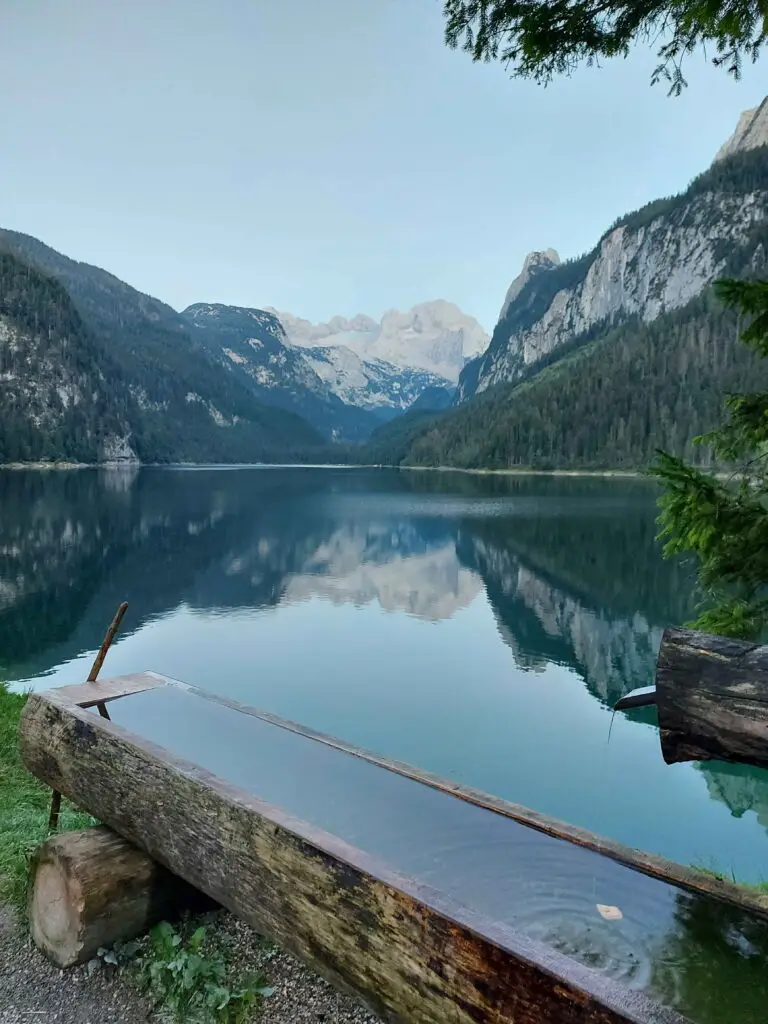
618,473
67,466
615,474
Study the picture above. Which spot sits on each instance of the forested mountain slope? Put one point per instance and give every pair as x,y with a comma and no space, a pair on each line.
650,262
60,396
120,386
158,388
606,393
610,405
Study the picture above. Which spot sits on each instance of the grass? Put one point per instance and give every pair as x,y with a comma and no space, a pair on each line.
24,807
722,877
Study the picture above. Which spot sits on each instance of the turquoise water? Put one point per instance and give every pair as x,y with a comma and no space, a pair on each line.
696,955
478,627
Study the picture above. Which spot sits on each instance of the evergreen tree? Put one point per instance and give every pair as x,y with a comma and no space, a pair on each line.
541,40
724,522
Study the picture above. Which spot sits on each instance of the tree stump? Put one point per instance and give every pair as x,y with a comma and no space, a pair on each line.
92,889
712,698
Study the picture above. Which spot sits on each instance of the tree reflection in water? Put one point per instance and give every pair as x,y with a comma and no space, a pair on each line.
712,965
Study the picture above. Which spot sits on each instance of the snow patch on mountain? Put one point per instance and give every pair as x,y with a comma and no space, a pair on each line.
433,336
370,383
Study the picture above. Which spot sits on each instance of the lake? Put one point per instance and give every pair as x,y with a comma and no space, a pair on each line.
480,627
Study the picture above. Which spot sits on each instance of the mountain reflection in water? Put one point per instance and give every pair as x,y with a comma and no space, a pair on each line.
565,573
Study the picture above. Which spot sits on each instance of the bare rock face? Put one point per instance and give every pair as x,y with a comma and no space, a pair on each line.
305,334
433,336
651,262
751,132
535,263
118,451
371,384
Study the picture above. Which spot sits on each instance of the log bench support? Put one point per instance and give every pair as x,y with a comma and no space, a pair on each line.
92,889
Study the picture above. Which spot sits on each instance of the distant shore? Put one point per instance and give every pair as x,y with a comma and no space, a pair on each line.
617,474
69,465
44,465
629,473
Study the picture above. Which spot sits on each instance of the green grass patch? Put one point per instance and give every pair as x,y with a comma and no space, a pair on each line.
721,876
194,985
24,806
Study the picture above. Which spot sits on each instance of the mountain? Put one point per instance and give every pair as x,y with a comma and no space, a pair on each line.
433,399
597,362
215,382
649,263
59,392
751,132
433,336
96,369
251,345
340,394
382,388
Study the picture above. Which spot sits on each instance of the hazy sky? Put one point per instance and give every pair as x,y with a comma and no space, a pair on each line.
324,157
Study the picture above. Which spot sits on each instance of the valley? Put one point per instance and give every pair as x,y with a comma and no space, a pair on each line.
594,364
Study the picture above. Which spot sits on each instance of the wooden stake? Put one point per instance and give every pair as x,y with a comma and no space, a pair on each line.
53,818
96,668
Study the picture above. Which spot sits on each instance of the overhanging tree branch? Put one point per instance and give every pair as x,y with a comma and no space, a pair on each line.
539,39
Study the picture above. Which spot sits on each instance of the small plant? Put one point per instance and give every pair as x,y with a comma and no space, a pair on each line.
120,954
193,988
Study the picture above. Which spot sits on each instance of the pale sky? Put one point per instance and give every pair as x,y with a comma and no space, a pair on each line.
324,156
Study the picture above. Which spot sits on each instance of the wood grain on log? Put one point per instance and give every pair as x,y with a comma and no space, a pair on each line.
92,888
712,698
412,953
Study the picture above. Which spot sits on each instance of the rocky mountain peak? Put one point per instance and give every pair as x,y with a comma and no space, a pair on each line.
534,264
433,336
751,132
206,314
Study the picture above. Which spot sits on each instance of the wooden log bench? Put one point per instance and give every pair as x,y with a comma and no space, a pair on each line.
368,902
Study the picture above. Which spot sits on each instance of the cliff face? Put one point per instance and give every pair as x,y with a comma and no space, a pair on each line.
751,132
651,262
436,337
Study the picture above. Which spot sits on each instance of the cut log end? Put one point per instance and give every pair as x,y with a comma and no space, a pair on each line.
53,918
712,698
92,889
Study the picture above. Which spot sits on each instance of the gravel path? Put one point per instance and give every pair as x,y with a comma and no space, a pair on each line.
33,990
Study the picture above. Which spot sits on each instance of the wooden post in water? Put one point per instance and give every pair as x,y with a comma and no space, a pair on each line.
712,698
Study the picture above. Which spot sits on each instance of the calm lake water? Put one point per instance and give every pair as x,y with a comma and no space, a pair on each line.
478,627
